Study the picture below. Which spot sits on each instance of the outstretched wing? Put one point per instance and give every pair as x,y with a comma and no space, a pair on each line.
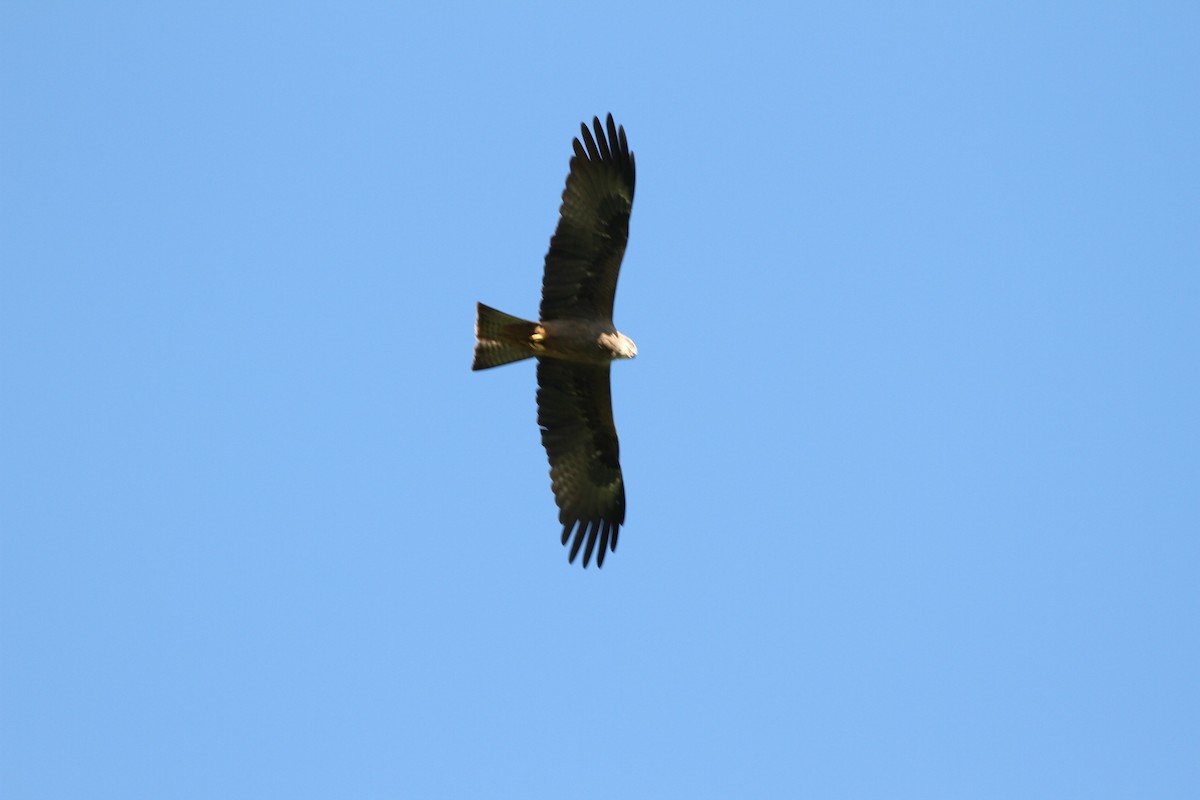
585,254
575,415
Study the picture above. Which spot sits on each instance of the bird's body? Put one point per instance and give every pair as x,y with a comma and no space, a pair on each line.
578,340
575,340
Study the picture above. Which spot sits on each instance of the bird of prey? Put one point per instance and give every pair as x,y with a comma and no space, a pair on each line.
575,341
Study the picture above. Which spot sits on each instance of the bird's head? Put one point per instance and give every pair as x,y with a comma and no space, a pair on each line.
619,345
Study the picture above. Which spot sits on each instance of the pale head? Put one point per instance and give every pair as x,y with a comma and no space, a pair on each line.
618,345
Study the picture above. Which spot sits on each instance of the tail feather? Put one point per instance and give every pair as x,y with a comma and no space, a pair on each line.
500,338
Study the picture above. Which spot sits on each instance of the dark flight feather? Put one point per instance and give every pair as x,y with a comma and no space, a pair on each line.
575,417
580,277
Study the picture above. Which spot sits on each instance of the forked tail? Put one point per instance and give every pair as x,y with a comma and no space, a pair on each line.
501,338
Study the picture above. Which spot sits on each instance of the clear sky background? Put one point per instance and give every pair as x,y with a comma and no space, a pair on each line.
912,444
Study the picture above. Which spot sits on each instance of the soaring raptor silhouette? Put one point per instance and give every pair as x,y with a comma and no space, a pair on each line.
575,341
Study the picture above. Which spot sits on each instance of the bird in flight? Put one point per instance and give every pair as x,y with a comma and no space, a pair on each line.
574,341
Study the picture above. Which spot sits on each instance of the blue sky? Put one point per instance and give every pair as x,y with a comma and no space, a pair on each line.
911,445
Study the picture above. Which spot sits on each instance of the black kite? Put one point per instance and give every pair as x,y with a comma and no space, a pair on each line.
575,341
